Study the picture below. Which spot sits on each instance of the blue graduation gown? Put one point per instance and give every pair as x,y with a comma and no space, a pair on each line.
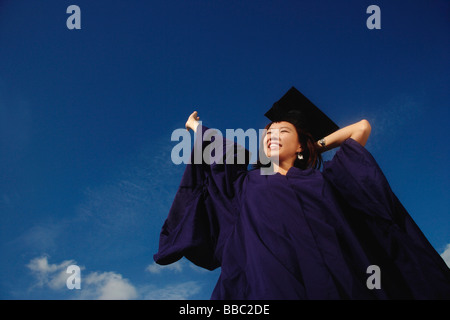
307,235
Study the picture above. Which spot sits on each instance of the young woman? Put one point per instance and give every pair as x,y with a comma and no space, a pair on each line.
301,233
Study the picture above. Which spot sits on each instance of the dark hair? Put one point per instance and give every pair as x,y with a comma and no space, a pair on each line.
312,158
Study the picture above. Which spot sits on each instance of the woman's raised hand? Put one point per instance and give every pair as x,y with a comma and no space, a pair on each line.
192,121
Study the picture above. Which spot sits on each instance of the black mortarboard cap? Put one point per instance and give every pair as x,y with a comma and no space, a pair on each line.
294,106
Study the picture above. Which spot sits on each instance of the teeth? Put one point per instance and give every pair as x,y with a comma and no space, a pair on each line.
274,146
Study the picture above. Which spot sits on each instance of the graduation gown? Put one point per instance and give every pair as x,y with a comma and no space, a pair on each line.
310,234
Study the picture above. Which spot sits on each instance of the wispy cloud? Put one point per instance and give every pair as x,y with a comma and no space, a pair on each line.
41,237
390,118
180,291
143,186
157,269
133,201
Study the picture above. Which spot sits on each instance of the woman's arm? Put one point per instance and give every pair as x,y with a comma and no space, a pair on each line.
192,122
358,131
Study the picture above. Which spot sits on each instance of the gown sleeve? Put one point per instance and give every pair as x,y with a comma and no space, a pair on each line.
204,208
389,235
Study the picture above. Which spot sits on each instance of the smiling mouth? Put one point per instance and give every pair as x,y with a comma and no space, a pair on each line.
273,145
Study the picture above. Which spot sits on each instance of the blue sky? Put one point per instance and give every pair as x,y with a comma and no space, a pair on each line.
86,118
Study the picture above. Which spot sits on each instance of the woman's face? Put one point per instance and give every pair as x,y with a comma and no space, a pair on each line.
281,141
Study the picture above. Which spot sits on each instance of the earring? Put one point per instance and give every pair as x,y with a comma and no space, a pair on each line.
300,156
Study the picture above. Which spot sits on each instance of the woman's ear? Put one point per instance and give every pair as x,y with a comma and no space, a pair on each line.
299,148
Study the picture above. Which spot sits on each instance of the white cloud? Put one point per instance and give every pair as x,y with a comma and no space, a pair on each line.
107,286
446,255
94,285
110,285
53,276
